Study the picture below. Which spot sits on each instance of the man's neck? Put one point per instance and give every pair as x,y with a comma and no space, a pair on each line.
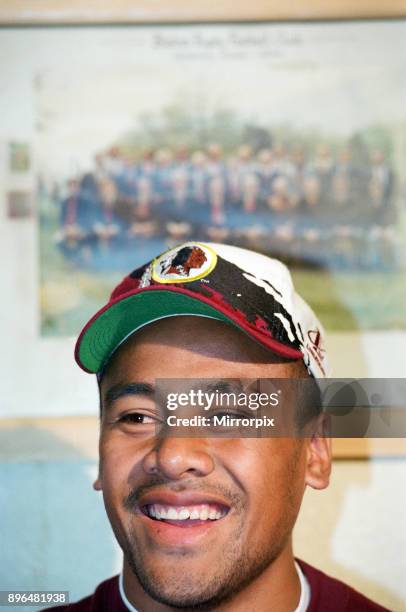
276,588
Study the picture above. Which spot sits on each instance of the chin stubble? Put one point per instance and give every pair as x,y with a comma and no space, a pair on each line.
238,563
234,573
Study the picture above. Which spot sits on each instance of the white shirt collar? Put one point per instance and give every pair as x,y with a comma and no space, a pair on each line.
301,607
305,593
123,595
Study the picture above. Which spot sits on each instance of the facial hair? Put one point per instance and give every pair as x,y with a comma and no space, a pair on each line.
239,562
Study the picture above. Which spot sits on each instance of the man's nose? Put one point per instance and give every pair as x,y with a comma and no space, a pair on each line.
174,458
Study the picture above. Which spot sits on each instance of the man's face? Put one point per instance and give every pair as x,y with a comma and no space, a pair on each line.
242,495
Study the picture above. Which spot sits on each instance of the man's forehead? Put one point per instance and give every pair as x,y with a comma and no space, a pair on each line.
202,336
197,340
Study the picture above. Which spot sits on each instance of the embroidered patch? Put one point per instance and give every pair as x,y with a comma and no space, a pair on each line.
184,264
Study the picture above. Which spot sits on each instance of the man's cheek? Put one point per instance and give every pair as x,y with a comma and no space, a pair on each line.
120,473
110,474
113,453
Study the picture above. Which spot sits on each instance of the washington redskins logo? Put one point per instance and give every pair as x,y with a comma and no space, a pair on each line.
188,262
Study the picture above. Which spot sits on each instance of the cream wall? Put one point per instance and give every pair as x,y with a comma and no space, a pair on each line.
356,529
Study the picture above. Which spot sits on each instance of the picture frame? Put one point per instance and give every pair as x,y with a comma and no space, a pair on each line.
46,12
40,13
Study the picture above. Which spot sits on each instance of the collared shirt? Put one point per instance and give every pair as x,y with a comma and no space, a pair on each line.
326,594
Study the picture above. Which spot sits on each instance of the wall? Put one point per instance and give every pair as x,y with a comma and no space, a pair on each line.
54,532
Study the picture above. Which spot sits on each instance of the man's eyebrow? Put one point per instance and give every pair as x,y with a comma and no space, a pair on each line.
121,390
224,386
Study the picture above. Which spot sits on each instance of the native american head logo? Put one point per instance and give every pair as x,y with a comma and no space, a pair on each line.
186,259
185,263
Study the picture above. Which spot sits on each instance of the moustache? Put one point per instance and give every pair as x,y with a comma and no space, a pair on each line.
132,499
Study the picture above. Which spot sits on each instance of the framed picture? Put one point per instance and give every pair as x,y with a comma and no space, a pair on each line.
150,127
19,204
19,157
100,12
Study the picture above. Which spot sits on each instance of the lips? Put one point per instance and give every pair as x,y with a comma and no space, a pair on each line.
184,509
187,514
166,520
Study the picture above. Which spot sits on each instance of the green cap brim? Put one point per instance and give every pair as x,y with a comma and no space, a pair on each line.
111,327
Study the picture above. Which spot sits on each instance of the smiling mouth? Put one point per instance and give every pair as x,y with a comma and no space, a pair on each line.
185,516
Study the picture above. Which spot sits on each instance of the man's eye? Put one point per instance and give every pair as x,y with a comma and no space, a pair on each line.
136,418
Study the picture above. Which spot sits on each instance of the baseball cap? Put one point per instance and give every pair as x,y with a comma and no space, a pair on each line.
251,291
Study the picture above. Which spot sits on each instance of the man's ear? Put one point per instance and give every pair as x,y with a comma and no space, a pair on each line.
97,484
318,463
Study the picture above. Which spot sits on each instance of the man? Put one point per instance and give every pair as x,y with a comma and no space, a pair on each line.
205,521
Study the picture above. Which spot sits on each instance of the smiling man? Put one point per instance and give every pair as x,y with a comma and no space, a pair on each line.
205,521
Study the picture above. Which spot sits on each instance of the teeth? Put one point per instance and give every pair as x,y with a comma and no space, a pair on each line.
204,514
172,514
201,512
183,514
